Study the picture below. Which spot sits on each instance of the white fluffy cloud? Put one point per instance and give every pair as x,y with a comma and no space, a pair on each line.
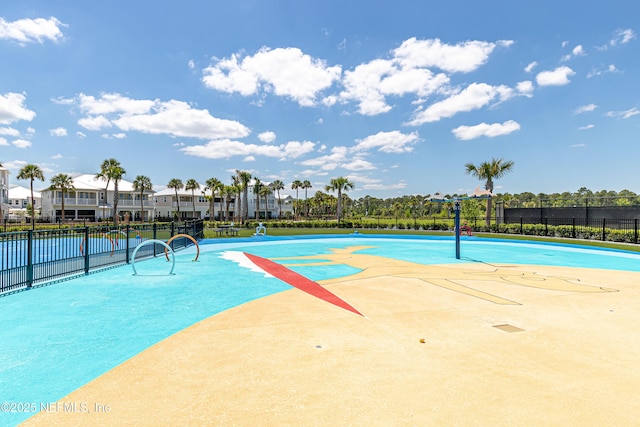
174,118
558,77
408,70
369,84
485,129
22,143
462,57
9,131
267,137
525,88
622,36
226,148
284,71
58,132
577,51
585,108
624,114
388,142
338,156
12,108
32,30
474,96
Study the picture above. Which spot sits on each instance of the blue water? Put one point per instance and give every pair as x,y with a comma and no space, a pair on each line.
54,339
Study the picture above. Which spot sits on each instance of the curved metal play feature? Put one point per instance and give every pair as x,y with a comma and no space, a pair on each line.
153,241
84,239
188,237
261,230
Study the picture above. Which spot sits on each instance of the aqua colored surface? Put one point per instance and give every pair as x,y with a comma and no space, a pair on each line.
56,338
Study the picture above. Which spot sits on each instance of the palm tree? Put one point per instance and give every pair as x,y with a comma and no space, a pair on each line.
244,178
339,184
276,186
306,185
176,184
215,185
63,183
489,171
257,186
265,191
192,185
32,172
229,192
111,170
295,185
142,183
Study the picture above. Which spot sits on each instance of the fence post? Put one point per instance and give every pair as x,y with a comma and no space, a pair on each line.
172,229
155,236
573,228
128,229
86,250
29,258
635,231
604,231
546,226
521,227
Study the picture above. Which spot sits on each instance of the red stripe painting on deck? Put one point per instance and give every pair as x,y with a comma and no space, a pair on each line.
300,282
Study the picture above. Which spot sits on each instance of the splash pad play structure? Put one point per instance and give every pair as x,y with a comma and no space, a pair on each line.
478,194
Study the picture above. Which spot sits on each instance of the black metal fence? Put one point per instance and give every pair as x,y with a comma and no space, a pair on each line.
605,229
31,257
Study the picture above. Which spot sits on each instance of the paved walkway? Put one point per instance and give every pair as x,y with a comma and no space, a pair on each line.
441,345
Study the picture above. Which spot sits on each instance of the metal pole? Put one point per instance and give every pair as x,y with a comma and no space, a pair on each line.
29,258
457,227
87,265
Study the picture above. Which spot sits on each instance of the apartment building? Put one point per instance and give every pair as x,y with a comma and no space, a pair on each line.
4,192
93,200
20,200
167,206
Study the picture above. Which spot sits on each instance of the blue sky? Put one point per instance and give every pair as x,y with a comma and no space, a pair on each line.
395,95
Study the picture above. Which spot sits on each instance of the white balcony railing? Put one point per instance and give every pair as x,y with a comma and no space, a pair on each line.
71,202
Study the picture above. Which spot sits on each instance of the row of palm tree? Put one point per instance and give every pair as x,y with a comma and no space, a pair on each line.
112,171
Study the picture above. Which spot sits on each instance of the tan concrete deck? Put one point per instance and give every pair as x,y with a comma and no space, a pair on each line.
566,357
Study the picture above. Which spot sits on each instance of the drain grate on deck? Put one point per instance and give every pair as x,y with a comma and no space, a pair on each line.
508,328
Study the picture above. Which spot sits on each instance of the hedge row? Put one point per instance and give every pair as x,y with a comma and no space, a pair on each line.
560,231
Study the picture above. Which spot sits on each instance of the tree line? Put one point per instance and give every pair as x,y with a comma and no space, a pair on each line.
324,205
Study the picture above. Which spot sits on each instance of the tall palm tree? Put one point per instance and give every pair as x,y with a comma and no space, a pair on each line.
216,186
257,187
111,170
265,191
228,192
306,185
339,184
489,171
276,186
64,183
142,183
31,172
192,185
295,185
244,178
176,184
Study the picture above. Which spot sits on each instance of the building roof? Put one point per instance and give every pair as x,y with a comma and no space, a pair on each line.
19,192
182,192
89,181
